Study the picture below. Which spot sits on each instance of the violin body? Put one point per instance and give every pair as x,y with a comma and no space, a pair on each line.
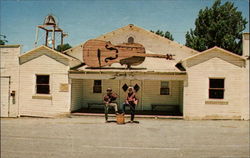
98,53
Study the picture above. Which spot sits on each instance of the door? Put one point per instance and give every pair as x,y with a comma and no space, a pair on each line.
5,96
123,90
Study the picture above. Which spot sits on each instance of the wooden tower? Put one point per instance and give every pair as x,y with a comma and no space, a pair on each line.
50,26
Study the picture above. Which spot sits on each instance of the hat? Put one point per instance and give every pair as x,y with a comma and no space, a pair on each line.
109,89
132,88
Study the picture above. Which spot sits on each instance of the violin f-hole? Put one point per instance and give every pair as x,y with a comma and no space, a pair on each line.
99,56
111,58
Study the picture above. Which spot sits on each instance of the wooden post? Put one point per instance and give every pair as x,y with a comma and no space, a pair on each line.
37,31
61,41
46,38
53,38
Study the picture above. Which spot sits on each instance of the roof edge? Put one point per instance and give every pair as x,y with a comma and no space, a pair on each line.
42,46
211,49
11,46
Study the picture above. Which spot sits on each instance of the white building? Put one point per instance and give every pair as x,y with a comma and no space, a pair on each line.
213,84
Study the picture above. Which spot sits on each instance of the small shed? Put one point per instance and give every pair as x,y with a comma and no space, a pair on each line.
44,82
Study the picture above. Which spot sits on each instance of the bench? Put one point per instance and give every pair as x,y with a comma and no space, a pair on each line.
93,104
174,106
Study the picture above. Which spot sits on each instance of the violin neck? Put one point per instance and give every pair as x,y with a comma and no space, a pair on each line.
151,55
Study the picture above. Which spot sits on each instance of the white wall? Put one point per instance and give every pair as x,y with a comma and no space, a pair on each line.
150,41
196,90
76,94
76,52
29,102
149,92
10,67
90,97
245,109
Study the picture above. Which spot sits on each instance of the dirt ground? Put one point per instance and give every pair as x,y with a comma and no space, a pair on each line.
91,137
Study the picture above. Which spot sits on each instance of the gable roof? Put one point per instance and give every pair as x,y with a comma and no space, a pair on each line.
44,50
133,27
146,32
211,53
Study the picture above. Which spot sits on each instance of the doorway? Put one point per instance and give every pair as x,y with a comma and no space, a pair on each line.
5,96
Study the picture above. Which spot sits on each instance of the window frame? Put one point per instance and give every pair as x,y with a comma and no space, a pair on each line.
131,40
36,84
94,87
169,89
221,89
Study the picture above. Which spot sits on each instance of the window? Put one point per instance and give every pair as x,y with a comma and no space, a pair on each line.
216,88
164,88
130,40
42,84
97,88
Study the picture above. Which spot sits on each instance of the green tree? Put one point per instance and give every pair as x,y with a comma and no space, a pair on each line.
62,48
220,25
166,34
3,39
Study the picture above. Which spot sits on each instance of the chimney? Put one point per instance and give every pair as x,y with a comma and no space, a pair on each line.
245,45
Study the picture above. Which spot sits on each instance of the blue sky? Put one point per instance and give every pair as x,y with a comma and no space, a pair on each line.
86,19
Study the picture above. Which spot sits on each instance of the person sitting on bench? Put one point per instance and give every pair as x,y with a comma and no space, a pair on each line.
130,101
109,99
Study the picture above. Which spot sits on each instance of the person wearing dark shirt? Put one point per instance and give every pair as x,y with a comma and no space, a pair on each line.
109,100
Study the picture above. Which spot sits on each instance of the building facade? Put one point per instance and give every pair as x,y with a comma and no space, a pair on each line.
201,85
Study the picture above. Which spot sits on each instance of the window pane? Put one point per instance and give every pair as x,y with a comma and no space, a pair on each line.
97,82
216,94
216,83
97,89
42,89
42,79
164,91
164,84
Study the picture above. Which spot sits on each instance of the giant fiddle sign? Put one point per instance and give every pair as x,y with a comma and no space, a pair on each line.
98,53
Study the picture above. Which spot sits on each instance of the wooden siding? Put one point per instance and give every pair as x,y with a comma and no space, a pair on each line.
196,90
76,94
10,67
149,92
60,102
245,109
43,51
76,52
4,95
151,42
90,97
217,54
